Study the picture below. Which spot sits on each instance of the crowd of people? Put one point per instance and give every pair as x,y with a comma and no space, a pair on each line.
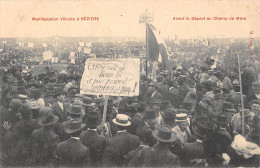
193,117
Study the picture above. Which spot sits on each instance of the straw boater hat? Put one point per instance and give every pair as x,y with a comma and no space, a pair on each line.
164,134
181,117
122,120
74,126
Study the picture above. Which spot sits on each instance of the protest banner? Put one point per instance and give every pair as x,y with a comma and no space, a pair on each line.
119,77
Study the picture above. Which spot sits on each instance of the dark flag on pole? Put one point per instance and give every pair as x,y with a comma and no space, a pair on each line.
152,44
156,47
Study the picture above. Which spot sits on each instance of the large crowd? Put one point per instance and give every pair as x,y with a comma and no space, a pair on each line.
191,117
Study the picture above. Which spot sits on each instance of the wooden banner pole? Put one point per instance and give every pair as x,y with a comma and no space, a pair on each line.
241,94
104,114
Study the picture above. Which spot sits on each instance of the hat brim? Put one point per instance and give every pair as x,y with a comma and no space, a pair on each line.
69,131
89,105
231,110
117,123
181,120
173,137
55,119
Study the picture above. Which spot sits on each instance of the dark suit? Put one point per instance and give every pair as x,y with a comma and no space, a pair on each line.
96,144
156,156
118,147
192,151
136,122
72,153
43,146
18,142
62,114
220,143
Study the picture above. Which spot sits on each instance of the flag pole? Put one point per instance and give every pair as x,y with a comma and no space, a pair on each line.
241,95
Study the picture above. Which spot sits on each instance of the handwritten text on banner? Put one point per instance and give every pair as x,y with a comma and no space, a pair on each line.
119,77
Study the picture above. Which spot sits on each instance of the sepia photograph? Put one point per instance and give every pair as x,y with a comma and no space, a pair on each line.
129,83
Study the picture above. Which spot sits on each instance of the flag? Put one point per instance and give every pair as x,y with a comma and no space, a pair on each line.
156,46
152,44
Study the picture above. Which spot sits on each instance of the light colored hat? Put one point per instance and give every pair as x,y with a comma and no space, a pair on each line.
181,117
122,120
63,72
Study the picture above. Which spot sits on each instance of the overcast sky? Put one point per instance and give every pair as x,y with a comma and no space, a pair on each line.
120,18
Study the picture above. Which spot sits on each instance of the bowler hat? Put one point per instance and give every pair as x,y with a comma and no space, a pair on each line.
15,104
75,109
92,119
122,120
87,101
48,119
59,92
169,114
150,114
164,134
200,130
221,119
74,126
145,133
44,111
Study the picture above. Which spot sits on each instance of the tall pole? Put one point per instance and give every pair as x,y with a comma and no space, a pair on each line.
241,95
146,61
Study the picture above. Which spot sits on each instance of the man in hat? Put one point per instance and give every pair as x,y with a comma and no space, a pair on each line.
182,130
60,108
137,120
255,107
168,117
78,98
221,140
90,138
236,123
18,137
72,91
152,93
88,104
49,99
194,153
145,134
72,152
44,141
75,112
159,155
122,143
